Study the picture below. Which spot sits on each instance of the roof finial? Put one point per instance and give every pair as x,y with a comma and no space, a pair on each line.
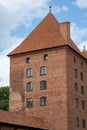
84,48
50,9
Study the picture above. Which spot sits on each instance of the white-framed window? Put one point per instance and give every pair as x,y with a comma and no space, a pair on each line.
29,102
43,70
29,86
43,84
29,72
43,101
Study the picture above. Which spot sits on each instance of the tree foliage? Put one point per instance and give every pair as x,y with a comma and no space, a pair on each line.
4,98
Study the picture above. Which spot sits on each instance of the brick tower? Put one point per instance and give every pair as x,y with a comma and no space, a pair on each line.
48,77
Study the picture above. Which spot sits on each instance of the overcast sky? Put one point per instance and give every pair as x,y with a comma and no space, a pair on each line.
18,18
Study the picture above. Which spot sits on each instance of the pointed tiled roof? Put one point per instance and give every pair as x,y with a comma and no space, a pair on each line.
46,35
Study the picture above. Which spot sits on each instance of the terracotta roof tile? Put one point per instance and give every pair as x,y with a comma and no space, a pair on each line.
47,34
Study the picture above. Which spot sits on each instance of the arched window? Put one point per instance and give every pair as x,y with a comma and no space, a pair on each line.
45,57
43,84
82,90
43,101
77,122
75,73
83,123
81,76
76,87
29,102
83,105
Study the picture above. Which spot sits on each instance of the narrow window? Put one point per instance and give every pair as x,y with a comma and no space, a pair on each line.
43,70
83,105
29,72
43,101
29,86
43,84
76,102
76,87
77,122
75,73
81,76
28,60
82,90
83,123
81,64
29,102
45,57
74,59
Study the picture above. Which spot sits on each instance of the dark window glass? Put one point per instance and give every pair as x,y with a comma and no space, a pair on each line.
77,122
83,123
45,57
83,105
43,101
76,102
29,86
75,73
82,90
43,84
81,76
43,70
29,102
81,64
76,86
28,60
29,72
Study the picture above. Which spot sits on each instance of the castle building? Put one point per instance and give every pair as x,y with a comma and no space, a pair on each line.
48,77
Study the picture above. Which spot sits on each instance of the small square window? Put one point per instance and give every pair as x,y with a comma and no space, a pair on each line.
29,86
29,72
45,57
28,60
43,70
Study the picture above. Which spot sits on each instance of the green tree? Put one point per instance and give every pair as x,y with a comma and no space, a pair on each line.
4,98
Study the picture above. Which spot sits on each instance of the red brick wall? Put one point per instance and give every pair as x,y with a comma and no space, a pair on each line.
73,111
60,112
55,112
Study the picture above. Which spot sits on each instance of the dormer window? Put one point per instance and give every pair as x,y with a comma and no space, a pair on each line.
28,60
